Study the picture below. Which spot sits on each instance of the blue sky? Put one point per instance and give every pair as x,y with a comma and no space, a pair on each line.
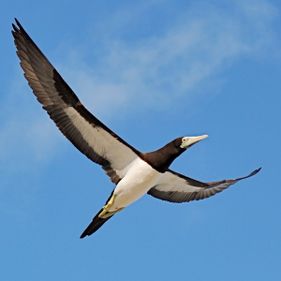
152,71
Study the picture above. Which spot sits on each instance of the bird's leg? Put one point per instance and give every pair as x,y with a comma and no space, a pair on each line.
105,210
105,213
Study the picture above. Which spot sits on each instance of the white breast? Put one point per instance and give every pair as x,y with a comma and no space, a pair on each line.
139,178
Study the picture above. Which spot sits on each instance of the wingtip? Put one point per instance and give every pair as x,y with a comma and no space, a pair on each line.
16,26
18,23
250,175
255,172
83,235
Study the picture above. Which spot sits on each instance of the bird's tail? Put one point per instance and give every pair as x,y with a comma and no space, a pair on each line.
96,223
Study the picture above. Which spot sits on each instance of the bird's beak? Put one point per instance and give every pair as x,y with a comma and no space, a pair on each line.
197,139
189,141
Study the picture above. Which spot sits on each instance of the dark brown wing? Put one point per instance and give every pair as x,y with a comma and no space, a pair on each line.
84,130
175,187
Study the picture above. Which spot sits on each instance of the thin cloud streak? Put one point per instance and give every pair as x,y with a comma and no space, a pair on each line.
174,65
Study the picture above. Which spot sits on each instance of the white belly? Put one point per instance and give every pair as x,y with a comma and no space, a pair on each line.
138,180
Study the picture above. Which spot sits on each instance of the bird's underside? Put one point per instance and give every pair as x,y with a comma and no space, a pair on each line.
101,145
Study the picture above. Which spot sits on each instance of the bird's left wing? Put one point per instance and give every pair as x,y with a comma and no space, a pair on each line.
175,187
84,130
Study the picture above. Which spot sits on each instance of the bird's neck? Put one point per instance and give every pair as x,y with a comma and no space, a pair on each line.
162,158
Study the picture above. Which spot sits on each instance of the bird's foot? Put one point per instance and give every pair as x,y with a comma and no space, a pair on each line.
105,213
105,210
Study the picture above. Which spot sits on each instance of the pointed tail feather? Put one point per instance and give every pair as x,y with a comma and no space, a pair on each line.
96,223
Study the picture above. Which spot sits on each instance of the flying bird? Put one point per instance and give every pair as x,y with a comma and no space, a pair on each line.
134,173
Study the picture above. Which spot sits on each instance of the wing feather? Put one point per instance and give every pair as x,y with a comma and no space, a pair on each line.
175,187
84,130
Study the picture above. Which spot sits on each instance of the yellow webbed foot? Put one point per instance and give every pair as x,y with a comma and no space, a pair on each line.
105,213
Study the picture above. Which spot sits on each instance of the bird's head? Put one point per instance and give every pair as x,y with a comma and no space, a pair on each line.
186,142
163,157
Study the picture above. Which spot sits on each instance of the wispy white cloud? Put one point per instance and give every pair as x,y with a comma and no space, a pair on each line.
176,62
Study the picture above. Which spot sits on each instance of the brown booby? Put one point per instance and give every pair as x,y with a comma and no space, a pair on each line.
134,173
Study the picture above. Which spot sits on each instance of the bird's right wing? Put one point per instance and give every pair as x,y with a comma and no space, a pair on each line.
83,129
175,187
